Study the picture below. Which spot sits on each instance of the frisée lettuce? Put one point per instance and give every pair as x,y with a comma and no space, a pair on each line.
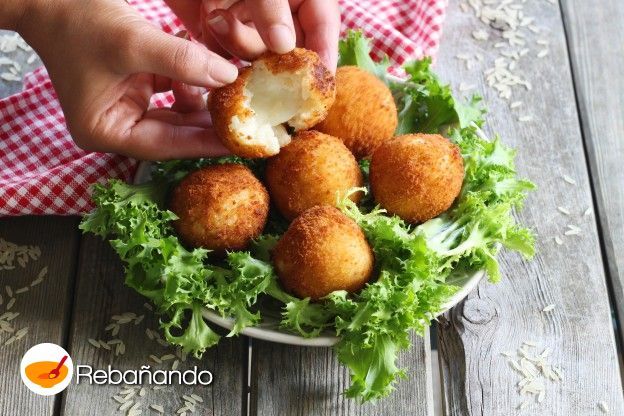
416,266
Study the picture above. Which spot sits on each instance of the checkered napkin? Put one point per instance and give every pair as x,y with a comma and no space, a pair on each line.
43,172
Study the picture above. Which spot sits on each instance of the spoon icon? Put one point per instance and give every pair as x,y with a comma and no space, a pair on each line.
54,373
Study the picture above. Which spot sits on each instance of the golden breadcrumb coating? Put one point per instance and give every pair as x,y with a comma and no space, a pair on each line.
314,169
416,176
322,251
220,207
363,115
277,93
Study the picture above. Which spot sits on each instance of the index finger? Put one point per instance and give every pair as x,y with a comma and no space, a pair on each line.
274,22
320,22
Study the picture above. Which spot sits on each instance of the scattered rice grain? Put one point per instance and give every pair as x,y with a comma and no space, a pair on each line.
158,408
569,180
549,308
542,53
563,210
604,408
155,359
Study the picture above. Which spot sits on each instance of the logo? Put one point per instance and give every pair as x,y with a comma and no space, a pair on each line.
46,369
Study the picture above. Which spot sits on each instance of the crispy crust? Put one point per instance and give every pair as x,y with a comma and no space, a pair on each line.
416,176
297,59
220,207
223,104
364,114
322,251
310,171
227,102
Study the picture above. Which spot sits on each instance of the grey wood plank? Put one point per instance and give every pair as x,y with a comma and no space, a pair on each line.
101,293
21,57
43,309
309,381
496,318
594,34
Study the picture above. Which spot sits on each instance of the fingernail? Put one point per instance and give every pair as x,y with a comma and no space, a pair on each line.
281,38
183,34
219,25
225,73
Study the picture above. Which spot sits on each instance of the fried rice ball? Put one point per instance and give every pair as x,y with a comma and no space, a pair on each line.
323,250
416,176
220,207
364,114
314,169
277,93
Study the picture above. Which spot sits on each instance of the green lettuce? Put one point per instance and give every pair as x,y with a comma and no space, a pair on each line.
417,267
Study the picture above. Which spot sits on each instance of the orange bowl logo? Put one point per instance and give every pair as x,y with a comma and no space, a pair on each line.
46,369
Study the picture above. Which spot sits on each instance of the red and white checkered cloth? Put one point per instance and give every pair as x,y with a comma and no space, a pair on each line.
43,172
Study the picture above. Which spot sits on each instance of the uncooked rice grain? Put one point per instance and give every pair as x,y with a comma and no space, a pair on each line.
36,281
603,407
569,180
563,210
158,408
549,308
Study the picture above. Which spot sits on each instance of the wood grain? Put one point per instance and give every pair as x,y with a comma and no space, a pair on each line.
497,318
309,381
592,33
101,293
43,309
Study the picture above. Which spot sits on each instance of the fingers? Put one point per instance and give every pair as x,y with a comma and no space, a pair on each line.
187,12
320,22
188,98
152,139
274,22
199,118
153,51
235,37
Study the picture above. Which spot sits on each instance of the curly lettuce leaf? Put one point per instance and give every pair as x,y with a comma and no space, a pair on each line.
424,104
175,279
355,50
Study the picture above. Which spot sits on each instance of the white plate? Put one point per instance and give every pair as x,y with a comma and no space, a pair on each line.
269,329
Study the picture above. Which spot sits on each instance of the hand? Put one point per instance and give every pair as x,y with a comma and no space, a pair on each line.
106,61
246,28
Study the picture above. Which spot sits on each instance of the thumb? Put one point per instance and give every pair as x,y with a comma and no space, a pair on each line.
274,22
157,52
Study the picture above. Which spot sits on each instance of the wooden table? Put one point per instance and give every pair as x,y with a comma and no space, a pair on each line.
576,132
